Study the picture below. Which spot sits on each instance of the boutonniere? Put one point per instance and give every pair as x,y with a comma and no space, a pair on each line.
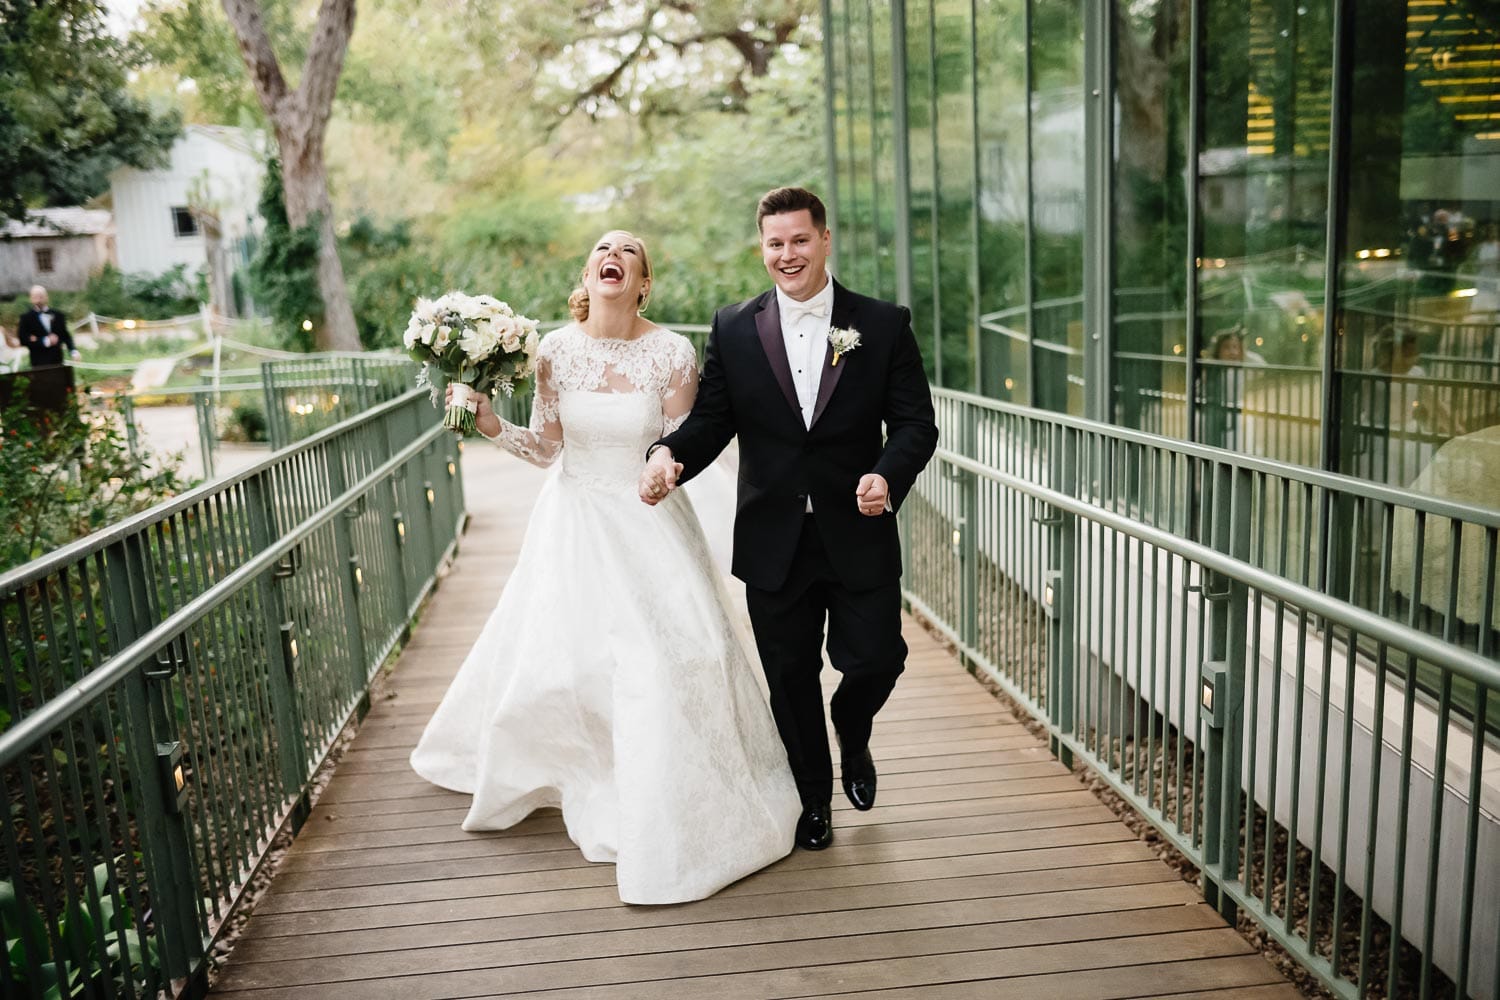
842,341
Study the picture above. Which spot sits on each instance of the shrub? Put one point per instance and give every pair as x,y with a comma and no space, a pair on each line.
66,474
247,422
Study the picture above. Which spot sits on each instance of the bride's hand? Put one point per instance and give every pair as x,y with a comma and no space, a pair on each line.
486,420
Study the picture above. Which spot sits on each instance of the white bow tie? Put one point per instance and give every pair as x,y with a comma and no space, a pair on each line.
814,309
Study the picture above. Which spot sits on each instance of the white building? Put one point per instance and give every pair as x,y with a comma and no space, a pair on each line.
198,211
60,248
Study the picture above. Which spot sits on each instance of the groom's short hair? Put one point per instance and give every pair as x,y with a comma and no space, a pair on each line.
791,199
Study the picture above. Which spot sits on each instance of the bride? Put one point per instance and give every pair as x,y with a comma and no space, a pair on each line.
610,680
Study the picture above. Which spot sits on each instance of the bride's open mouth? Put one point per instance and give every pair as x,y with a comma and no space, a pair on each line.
611,272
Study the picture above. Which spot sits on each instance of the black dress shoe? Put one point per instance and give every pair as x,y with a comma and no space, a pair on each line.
815,828
859,779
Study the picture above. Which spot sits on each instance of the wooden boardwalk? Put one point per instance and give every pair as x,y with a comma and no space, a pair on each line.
986,870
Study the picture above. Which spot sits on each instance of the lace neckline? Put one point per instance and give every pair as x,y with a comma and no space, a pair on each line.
615,342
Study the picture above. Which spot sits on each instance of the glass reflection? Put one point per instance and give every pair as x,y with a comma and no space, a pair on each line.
1262,200
1152,64
1000,40
1419,355
1057,204
952,33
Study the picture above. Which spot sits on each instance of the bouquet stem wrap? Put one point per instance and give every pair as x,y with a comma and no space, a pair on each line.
461,409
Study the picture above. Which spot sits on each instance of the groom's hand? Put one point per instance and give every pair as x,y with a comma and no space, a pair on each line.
872,495
659,478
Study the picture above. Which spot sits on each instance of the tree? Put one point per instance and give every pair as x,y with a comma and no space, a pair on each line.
299,118
66,119
673,55
285,269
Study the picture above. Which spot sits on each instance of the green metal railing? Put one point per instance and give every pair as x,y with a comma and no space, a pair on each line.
206,401
1291,674
174,681
305,395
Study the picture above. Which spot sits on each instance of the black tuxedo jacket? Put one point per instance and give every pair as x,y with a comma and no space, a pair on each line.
746,389
31,332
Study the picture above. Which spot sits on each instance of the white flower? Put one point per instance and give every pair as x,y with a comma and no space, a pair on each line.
842,341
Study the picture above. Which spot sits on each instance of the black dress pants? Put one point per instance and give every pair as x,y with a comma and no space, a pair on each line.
864,645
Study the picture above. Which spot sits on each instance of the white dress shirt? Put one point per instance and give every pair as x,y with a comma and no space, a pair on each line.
804,334
45,315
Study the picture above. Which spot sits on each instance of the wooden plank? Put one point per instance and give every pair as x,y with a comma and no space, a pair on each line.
775,877
775,942
589,929
880,887
338,833
797,970
486,846
844,851
1238,975
364,797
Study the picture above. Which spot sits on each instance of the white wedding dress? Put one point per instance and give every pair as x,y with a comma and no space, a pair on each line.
610,679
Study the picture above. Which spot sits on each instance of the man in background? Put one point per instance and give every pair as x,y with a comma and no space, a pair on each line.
44,331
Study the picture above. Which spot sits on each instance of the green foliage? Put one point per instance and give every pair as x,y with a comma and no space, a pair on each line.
64,475
145,296
247,422
284,272
387,273
130,959
66,119
192,38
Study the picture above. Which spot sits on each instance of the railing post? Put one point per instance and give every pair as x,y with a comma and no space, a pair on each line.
132,434
275,432
166,851
401,530
281,669
968,547
1223,684
203,409
1061,582
349,574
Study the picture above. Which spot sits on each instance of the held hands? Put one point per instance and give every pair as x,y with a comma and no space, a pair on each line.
659,477
872,494
485,420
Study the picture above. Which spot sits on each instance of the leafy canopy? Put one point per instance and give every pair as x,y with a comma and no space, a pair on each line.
66,117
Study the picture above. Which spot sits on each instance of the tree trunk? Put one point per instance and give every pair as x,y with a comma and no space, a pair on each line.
305,182
300,118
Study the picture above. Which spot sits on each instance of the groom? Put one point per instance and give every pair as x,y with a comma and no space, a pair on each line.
815,534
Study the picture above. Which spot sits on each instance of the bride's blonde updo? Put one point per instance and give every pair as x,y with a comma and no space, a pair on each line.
578,301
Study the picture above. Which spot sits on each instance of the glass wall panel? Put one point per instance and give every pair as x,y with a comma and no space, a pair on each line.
1057,203
1004,201
883,135
858,195
1419,355
1262,202
836,31
922,151
1151,243
953,76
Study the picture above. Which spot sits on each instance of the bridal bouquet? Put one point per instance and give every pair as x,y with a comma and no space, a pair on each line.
476,343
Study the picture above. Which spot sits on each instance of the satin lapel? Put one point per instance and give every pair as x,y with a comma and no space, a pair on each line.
768,326
833,372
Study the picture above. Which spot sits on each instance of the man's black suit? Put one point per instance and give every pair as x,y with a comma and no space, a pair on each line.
835,562
33,336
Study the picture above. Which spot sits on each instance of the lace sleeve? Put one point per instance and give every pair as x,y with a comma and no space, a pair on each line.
542,442
682,387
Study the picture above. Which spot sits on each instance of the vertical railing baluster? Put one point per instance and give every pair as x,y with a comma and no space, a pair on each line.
165,851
